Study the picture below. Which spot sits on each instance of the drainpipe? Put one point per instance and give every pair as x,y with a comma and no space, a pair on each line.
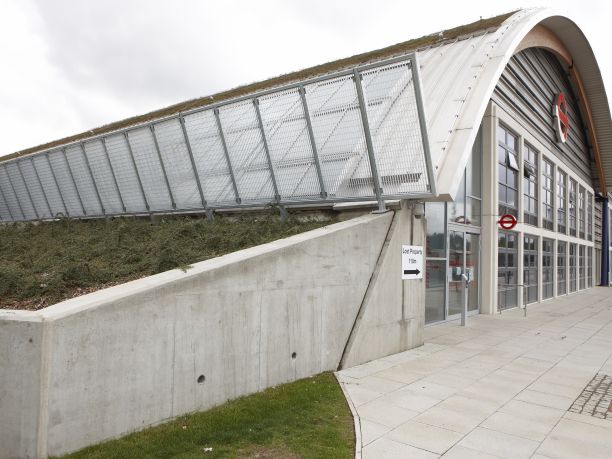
605,243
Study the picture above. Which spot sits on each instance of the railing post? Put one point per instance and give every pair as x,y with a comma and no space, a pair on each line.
163,167
93,179
57,185
41,186
193,164
418,93
227,156
73,181
129,146
110,165
315,153
277,196
18,162
368,138
14,192
7,205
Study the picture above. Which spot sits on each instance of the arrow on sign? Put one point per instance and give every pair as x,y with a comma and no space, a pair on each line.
411,271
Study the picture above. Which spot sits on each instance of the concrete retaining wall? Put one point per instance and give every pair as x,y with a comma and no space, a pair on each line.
117,360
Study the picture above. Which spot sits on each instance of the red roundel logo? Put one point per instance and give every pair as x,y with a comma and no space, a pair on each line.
561,118
507,221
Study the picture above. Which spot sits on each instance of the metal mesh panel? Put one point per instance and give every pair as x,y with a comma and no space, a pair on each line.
125,173
150,169
5,214
394,125
180,171
36,190
65,183
83,180
21,190
290,150
101,170
310,141
9,195
210,159
245,145
48,183
338,129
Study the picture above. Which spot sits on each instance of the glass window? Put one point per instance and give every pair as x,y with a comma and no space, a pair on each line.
473,184
572,206
573,259
581,267
561,196
590,216
456,209
507,171
530,186
435,290
581,211
548,195
547,268
436,237
530,268
561,267
589,267
507,269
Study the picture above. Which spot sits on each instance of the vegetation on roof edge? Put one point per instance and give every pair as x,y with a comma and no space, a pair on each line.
436,38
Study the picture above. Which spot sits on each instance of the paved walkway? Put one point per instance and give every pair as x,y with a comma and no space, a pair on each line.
505,386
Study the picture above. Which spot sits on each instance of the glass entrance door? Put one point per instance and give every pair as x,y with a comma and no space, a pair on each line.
463,264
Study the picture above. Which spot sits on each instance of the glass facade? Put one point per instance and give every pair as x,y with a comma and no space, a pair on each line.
590,216
548,195
561,268
561,198
573,261
507,169
530,268
435,264
507,269
547,268
572,207
581,212
530,186
581,267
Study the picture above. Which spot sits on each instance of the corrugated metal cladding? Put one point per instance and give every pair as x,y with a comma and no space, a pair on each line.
527,89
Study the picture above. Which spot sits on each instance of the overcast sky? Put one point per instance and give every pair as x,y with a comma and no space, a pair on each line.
72,65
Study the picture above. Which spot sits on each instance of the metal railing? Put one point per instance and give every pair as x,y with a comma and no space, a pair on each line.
353,135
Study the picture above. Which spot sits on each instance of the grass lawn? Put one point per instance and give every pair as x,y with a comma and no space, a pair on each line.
42,264
304,419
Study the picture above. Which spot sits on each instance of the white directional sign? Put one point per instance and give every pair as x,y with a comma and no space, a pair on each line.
412,262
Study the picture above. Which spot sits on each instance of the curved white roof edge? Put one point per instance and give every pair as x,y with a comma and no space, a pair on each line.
454,119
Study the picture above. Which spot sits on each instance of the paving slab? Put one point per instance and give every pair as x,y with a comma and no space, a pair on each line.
504,386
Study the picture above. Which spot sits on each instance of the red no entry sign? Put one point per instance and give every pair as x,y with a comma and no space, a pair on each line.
507,221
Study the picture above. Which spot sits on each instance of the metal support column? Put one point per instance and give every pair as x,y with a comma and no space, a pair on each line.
163,167
277,196
7,204
313,144
59,191
605,243
25,184
15,193
42,188
227,156
74,182
93,179
110,165
129,146
418,93
193,164
368,137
